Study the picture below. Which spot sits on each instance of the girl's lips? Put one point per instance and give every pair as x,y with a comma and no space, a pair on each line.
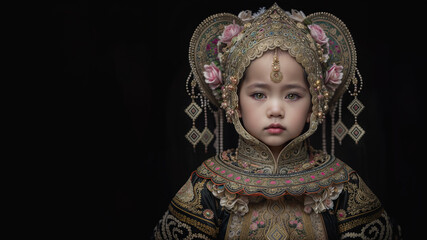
275,128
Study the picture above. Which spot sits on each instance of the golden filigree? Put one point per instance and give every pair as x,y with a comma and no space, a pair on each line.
360,198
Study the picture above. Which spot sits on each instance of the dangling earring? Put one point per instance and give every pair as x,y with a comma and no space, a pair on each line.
356,131
193,111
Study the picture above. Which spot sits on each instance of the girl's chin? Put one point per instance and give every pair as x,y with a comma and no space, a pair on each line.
275,143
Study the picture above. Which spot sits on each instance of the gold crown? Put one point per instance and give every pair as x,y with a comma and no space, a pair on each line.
274,28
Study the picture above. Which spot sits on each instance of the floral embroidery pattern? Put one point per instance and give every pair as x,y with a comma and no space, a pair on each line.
255,224
297,223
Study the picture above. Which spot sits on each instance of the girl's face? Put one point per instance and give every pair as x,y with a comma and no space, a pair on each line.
274,113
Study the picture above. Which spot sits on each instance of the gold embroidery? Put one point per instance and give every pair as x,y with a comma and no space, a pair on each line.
234,227
195,221
343,227
283,218
172,228
374,228
324,173
189,197
360,198
318,226
261,161
186,193
341,214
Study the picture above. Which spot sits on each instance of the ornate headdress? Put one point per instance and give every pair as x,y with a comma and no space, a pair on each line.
223,46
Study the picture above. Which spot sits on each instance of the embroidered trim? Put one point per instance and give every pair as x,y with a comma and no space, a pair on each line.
170,227
195,222
235,180
361,199
189,197
377,227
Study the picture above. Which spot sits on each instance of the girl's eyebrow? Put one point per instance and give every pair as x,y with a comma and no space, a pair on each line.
259,85
284,87
294,86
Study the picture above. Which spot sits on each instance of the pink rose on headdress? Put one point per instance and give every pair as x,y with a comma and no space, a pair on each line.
212,76
318,34
334,76
230,32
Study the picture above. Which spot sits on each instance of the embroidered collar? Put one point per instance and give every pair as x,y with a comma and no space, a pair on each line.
259,157
251,171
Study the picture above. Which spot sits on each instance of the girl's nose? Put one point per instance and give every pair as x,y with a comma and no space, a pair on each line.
275,109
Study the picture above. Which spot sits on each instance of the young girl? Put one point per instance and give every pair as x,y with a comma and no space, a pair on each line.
275,74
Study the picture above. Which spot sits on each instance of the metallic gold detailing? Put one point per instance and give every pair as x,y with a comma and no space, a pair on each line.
275,75
249,177
192,221
286,36
283,218
375,226
360,198
343,48
189,197
229,89
273,29
343,227
356,132
170,225
207,34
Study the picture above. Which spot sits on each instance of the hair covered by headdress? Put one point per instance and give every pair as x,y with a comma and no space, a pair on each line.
223,46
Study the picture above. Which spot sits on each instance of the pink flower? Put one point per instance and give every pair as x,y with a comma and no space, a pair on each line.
318,34
253,226
230,32
212,76
299,226
334,76
307,209
255,214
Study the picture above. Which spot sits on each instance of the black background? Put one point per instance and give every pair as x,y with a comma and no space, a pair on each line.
124,126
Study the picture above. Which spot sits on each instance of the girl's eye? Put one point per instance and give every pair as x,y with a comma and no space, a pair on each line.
258,96
292,96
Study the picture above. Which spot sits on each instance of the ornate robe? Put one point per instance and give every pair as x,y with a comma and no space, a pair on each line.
307,194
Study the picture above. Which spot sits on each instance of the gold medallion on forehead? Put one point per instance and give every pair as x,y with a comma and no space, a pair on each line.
275,75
